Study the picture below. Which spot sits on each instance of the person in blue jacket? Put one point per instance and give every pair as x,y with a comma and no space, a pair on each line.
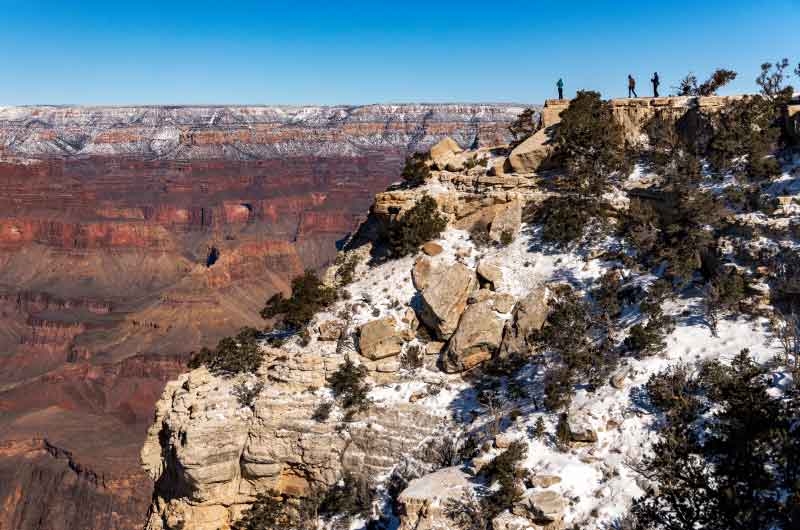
560,86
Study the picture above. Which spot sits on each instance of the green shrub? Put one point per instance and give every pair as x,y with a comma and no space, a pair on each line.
673,390
416,170
418,225
349,386
688,85
728,456
347,263
558,388
505,471
524,126
506,237
563,432
233,355
246,393
589,144
563,219
479,235
309,295
649,339
272,511
539,429
746,132
351,496
412,358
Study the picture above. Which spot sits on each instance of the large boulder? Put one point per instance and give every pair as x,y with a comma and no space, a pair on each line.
379,339
444,297
445,152
422,502
541,507
490,272
507,220
478,336
528,156
530,315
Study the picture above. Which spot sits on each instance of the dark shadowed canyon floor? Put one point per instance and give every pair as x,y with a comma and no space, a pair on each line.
131,236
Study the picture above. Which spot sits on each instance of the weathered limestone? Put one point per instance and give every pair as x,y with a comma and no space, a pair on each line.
329,330
446,152
497,166
507,221
528,156
432,248
529,315
444,297
380,339
542,507
478,336
210,455
422,502
490,272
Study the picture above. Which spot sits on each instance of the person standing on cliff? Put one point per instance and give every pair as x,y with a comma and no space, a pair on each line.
655,82
631,86
560,86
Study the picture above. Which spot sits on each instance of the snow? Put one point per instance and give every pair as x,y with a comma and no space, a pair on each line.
596,479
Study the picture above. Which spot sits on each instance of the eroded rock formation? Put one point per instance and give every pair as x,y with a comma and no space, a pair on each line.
131,233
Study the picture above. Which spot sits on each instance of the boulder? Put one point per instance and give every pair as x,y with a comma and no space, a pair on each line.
580,430
379,339
497,166
507,220
330,330
421,503
528,156
478,336
530,315
490,272
618,378
444,152
541,507
545,481
503,302
432,248
421,272
444,297
509,521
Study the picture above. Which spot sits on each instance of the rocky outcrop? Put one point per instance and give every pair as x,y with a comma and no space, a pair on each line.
444,297
529,315
528,156
209,454
380,339
476,339
422,504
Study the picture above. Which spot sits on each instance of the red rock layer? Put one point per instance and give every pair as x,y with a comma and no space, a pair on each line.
130,236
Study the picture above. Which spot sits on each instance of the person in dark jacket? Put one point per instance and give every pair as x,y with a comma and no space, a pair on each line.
655,82
631,86
560,86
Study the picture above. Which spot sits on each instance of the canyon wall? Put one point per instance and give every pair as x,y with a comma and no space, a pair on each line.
130,236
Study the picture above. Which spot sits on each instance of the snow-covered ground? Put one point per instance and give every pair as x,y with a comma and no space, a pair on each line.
596,479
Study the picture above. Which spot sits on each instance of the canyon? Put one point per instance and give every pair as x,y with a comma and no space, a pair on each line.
131,236
225,443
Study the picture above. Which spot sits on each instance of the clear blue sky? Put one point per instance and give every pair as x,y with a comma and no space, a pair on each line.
175,51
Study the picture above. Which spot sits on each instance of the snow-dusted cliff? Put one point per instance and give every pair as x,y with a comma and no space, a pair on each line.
243,132
211,454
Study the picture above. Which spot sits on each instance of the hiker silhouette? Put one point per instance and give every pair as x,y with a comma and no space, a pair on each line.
631,86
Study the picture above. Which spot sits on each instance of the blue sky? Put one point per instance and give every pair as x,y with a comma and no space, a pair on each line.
171,52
